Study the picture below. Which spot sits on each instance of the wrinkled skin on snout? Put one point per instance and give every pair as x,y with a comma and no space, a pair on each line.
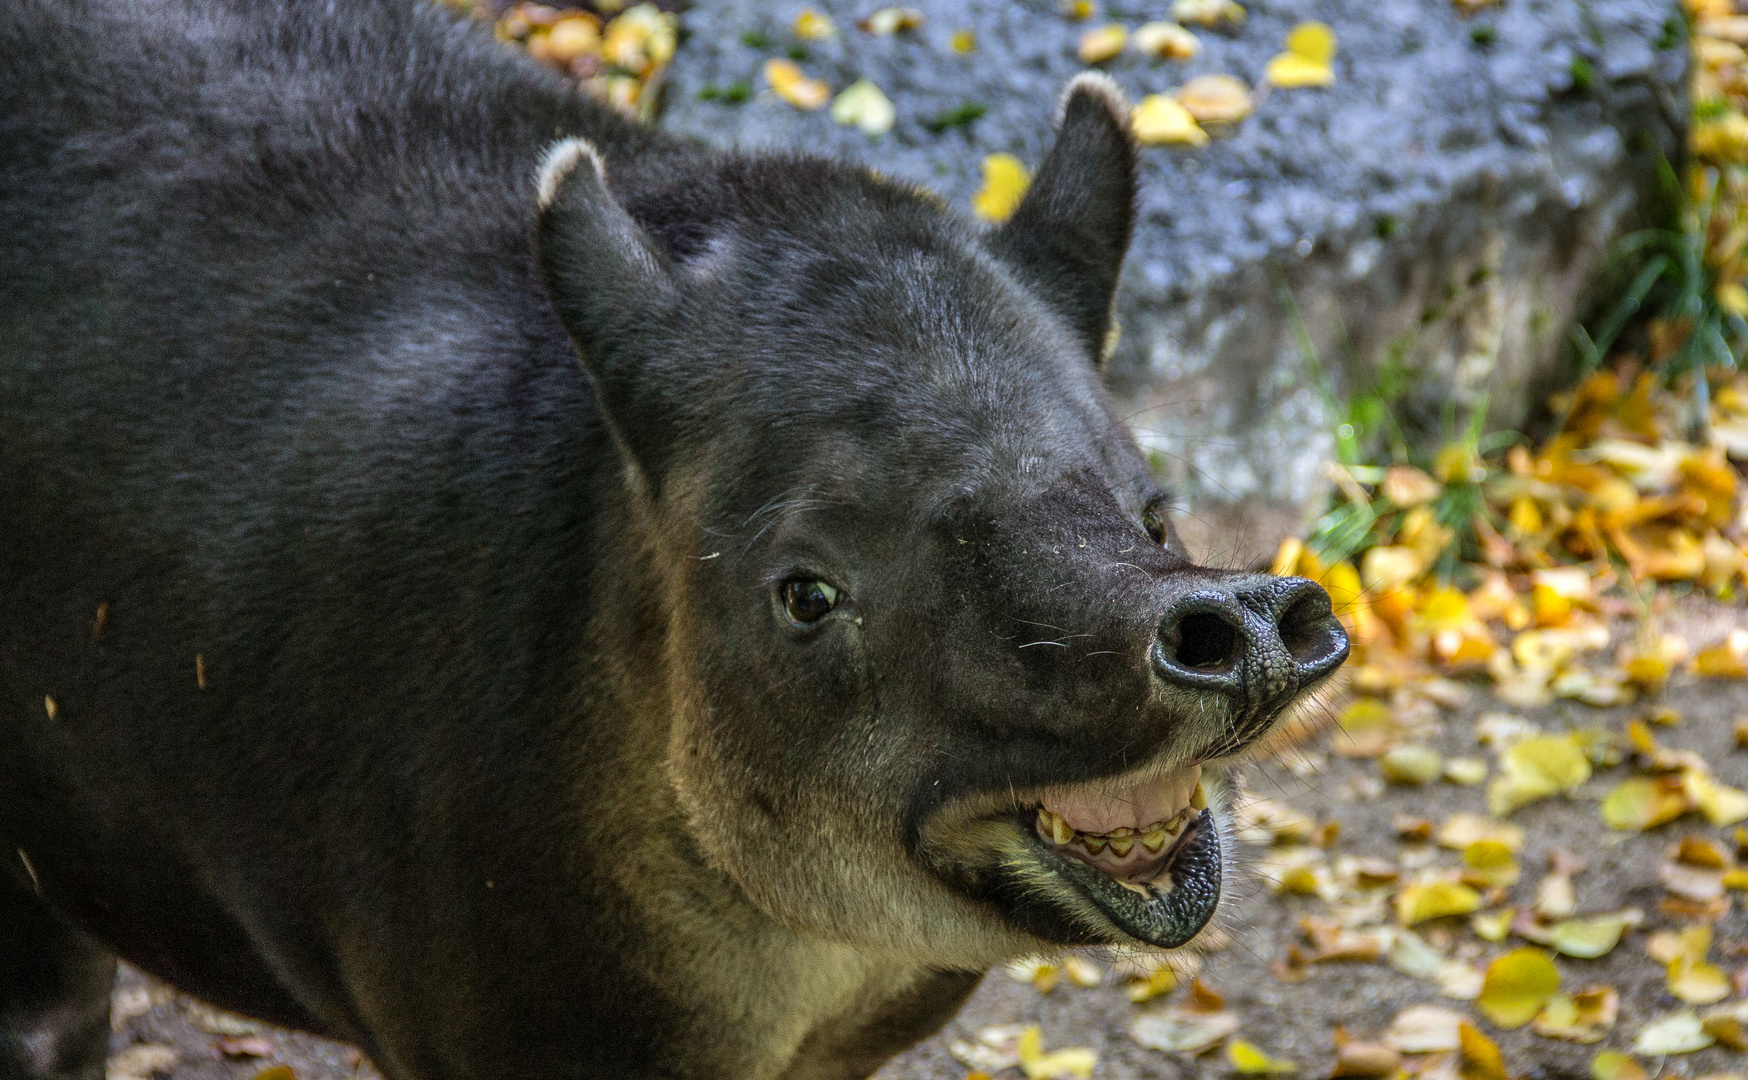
944,585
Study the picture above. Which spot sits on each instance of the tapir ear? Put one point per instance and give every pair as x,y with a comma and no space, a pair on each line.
1072,229
614,292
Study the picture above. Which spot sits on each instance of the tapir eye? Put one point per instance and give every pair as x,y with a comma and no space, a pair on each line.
807,599
1154,524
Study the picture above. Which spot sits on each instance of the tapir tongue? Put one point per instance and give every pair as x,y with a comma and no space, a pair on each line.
1094,809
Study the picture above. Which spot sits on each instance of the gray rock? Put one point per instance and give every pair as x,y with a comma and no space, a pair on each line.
1433,217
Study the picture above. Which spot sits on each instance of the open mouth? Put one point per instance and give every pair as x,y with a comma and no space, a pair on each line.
1147,856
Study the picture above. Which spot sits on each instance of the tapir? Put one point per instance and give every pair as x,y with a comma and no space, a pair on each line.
534,597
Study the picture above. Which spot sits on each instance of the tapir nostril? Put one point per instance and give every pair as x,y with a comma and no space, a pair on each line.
1312,635
1206,642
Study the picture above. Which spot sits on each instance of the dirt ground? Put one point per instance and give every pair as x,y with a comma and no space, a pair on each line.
1293,1020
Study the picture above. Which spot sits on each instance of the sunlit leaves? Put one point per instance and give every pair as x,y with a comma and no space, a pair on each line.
1005,181
1310,48
1517,985
865,106
790,83
1250,1060
1159,118
1435,899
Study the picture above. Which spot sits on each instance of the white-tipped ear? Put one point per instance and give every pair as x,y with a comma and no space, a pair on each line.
613,289
1101,86
1072,228
558,163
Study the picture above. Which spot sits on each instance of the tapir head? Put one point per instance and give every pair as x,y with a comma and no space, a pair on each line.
938,676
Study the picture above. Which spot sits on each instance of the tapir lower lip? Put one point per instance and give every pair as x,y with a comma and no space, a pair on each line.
1168,920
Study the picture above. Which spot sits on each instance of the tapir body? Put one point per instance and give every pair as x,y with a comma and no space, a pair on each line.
535,598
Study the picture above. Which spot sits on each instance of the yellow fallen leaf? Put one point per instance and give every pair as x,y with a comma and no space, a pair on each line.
1158,982
1458,980
1493,925
1342,582
1070,1061
1642,803
1407,486
1411,955
1697,983
1417,903
1167,40
1082,971
1314,41
1648,671
276,1072
1207,12
1424,1029
1677,1033
1489,863
1478,1056
793,86
1726,661
1559,1020
1585,1017
639,40
891,20
1005,181
1041,973
1558,758
1248,1059
1702,851
1466,771
1181,1029
1287,557
1390,566
1536,768
1720,803
1356,1060
1102,43
1691,977
1461,830
863,105
1304,880
1290,70
1726,1029
813,25
1610,1065
1720,663
568,40
1368,728
1599,1006
1516,986
1412,765
1160,119
964,42
1694,883
1216,99
1555,897
1589,937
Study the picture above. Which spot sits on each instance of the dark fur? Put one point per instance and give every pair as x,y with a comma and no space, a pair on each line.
441,699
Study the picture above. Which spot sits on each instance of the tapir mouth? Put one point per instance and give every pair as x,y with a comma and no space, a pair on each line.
1147,855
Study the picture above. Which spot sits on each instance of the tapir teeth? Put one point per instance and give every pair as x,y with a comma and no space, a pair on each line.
1122,840
1054,827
